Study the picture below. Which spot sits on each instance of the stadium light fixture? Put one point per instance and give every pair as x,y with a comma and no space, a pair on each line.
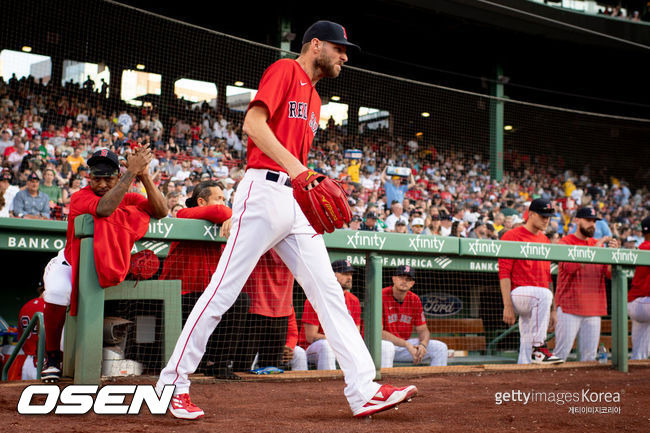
26,49
425,114
335,98
508,127
139,67
239,83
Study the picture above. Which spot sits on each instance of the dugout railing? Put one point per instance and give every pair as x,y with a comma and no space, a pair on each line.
376,253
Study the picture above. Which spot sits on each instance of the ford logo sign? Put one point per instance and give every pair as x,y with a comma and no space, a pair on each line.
441,304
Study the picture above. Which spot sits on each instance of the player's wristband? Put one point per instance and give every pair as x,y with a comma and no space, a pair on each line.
422,344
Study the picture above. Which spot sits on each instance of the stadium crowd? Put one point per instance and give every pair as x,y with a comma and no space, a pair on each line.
48,132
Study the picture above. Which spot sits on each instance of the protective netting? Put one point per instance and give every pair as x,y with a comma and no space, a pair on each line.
415,157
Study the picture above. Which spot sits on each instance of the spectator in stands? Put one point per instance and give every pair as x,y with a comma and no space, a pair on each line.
397,214
402,313
15,158
417,226
370,223
5,141
175,209
76,160
458,229
395,188
7,192
355,222
52,190
30,203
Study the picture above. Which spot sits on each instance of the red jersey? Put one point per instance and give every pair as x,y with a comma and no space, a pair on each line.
194,262
294,111
270,287
525,272
309,316
131,218
400,318
24,316
86,201
292,330
640,286
581,286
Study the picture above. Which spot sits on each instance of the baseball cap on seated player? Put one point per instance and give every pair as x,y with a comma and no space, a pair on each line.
342,266
328,31
587,212
542,207
104,163
405,270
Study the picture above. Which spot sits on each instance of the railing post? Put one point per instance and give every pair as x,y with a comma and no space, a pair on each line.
372,315
619,319
90,319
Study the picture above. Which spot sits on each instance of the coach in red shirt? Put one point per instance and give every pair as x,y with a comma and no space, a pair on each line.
401,312
526,288
638,302
580,297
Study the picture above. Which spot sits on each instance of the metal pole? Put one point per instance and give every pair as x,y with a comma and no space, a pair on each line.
619,319
372,314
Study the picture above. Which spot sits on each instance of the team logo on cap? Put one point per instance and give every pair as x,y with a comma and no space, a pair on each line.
593,212
104,152
345,34
347,263
407,268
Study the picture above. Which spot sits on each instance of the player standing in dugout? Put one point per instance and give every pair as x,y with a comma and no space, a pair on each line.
283,205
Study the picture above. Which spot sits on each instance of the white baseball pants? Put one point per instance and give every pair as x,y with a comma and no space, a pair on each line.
586,328
639,311
299,360
57,281
437,353
533,306
265,216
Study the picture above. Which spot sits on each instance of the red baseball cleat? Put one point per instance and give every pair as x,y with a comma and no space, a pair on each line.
182,407
386,398
541,355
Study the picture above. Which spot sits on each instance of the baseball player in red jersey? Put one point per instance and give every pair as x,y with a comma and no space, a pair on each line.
638,301
106,192
525,288
580,297
281,123
312,338
401,312
24,366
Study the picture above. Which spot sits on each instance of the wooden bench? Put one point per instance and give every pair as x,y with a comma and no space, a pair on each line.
459,334
605,335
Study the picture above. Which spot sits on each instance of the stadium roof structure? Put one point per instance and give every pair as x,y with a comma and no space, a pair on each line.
456,43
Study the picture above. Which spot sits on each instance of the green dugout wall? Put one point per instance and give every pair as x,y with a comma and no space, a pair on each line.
372,251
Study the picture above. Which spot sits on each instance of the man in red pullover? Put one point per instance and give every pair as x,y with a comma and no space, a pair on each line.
526,288
580,298
638,302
